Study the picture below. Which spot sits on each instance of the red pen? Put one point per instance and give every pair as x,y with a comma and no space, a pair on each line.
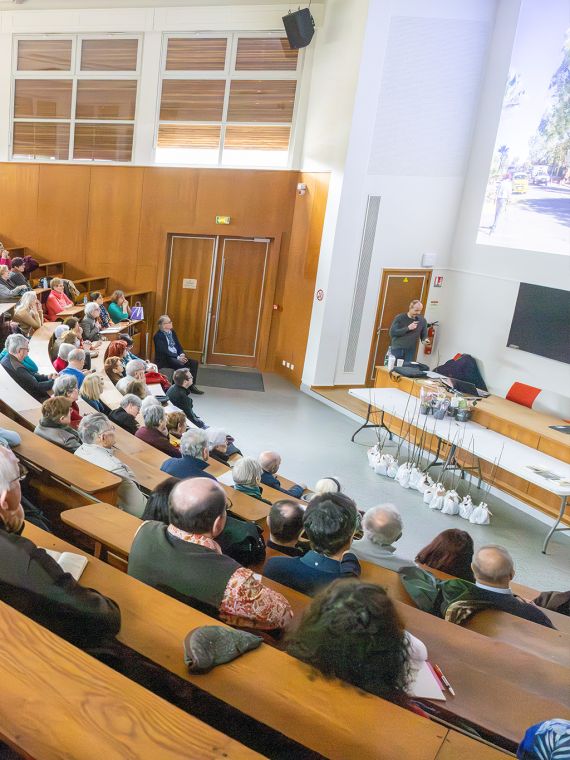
443,679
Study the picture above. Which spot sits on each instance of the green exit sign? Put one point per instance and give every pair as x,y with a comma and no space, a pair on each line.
223,219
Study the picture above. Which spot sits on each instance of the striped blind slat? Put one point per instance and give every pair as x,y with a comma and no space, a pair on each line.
44,55
109,55
265,54
41,140
192,100
106,99
261,100
103,142
43,98
188,136
196,54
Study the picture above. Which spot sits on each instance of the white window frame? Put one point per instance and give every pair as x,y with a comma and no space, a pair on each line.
75,74
228,74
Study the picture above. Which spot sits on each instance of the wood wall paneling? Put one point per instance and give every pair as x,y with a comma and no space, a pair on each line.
19,204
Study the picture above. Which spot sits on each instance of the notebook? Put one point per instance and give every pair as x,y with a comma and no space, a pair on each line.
425,684
71,563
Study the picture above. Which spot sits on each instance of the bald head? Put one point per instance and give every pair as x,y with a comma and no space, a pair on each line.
382,524
270,461
198,505
493,566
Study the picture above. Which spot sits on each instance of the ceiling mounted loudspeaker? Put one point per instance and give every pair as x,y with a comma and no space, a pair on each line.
299,27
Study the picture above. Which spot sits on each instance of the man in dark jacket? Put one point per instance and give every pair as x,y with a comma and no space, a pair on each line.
330,522
494,570
34,584
285,523
34,383
168,352
270,462
124,416
178,394
407,330
17,276
194,459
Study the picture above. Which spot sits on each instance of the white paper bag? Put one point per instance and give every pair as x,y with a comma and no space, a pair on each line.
450,503
466,507
403,475
481,514
438,497
424,481
373,456
428,494
385,460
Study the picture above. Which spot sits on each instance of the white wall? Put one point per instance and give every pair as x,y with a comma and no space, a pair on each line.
419,85
482,285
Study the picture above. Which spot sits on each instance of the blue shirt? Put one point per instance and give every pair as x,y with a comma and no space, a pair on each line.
310,573
186,467
80,377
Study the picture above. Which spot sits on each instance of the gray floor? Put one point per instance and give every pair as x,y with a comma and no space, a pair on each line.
314,441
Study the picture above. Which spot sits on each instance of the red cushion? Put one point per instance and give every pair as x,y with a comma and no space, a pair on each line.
522,394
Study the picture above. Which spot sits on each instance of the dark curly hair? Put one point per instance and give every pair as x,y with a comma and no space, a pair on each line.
352,631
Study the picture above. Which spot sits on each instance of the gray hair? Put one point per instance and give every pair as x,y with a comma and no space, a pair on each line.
246,471
327,485
149,400
164,318
496,567
216,437
92,426
130,398
269,461
77,355
153,416
382,525
27,299
64,384
193,443
64,350
134,366
59,331
9,469
15,343
91,309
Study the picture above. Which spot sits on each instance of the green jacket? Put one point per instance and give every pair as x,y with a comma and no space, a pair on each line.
254,491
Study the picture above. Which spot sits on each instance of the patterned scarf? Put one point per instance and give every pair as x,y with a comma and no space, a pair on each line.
194,538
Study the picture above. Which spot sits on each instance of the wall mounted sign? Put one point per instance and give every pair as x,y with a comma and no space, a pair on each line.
223,219
189,284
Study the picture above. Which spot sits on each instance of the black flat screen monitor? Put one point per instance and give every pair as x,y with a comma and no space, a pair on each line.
541,322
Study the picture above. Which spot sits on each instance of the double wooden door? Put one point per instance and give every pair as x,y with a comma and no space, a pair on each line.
398,288
218,297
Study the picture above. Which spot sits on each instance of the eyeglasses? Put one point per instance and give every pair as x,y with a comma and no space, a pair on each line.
229,504
23,473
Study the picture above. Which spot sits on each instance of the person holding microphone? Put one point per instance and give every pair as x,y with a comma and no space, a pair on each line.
406,330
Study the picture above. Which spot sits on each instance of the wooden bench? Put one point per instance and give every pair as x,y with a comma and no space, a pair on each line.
328,717
60,702
50,269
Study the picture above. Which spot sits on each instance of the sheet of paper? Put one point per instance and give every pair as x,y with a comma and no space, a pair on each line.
425,685
226,479
71,563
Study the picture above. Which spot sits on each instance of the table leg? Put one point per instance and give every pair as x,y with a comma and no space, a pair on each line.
563,502
436,457
373,425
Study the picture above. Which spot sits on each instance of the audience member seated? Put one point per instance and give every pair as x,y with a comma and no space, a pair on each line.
118,348
557,601
185,559
352,631
329,523
33,583
98,439
66,385
157,503
194,457
9,292
55,424
75,364
246,474
28,362
494,570
176,425
97,298
218,444
169,353
57,300
91,390
285,523
114,369
125,415
136,388
451,552
270,462
17,277
382,526
549,740
57,340
178,395
75,328
134,370
28,314
5,257
34,383
152,375
90,324
119,309
61,362
154,431
327,485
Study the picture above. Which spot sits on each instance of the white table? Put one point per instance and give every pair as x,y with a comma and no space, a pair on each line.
485,444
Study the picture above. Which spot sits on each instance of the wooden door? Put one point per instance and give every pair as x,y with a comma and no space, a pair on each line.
398,288
238,301
189,290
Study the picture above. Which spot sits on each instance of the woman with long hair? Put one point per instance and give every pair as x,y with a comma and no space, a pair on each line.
119,309
352,631
451,551
28,314
91,390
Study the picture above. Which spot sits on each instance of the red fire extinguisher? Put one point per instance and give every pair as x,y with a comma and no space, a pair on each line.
431,334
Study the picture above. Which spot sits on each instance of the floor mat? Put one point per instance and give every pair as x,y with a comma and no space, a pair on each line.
215,377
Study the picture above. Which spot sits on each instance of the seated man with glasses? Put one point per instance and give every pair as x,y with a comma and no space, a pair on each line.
34,383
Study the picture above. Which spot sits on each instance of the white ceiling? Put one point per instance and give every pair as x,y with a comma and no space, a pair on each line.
5,5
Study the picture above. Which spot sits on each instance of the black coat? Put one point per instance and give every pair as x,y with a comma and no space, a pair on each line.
180,397
162,356
124,420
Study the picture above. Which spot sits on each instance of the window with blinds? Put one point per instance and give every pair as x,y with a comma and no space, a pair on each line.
227,100
75,98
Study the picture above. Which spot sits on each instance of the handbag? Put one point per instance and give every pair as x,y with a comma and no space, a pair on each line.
137,311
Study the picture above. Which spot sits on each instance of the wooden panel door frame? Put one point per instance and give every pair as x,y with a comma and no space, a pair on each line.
386,274
215,241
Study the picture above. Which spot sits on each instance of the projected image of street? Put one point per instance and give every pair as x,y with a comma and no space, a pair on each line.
527,199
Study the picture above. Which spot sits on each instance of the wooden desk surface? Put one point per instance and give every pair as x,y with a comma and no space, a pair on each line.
266,684
4,307
14,397
71,311
39,347
60,702
62,464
